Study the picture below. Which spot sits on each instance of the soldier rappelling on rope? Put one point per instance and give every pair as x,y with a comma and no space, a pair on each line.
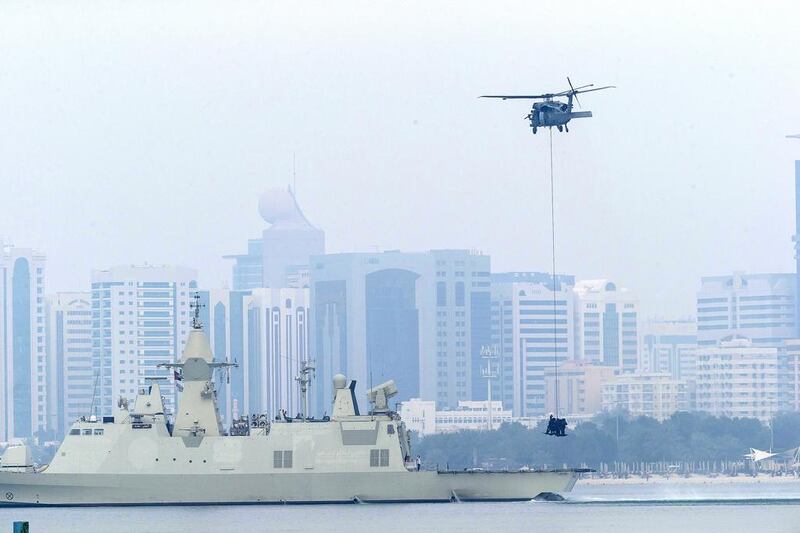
556,427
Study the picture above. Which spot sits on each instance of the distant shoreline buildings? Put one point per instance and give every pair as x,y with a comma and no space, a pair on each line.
440,323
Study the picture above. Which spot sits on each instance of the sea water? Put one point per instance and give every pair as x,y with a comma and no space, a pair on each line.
651,508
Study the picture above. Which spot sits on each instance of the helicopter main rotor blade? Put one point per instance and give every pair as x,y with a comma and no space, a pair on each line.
577,91
572,91
519,96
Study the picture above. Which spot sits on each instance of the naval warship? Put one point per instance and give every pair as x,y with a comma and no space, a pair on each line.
139,456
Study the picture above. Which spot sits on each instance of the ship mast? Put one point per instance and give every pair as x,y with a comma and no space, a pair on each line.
198,413
304,377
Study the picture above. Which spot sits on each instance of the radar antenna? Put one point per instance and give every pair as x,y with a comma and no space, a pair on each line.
196,305
489,353
304,377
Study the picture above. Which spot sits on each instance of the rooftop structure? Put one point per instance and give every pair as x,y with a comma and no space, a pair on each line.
279,258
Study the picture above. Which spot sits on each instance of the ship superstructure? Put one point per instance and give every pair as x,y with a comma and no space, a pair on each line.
139,457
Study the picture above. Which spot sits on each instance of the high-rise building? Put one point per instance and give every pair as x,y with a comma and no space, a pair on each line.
669,346
265,331
23,393
463,314
532,327
655,395
736,378
796,239
789,374
757,306
418,318
71,378
140,319
607,324
579,386
281,256
247,268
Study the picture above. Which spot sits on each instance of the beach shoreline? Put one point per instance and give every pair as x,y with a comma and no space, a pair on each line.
690,480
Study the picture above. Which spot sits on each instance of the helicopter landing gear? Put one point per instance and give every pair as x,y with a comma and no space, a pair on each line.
534,130
560,128
566,128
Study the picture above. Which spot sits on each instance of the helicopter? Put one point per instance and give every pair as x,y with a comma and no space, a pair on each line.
553,112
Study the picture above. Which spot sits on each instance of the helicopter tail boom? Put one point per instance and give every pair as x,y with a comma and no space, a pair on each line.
580,114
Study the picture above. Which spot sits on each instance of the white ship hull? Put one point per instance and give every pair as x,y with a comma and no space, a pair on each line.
31,489
137,458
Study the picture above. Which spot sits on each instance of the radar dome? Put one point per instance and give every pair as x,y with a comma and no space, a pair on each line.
339,381
277,205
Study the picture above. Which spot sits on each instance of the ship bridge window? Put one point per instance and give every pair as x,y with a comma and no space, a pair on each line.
74,431
87,431
282,459
379,457
98,431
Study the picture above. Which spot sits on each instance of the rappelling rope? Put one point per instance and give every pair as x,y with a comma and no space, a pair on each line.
555,283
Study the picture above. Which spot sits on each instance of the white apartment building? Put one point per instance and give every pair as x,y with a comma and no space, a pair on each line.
760,307
266,332
655,395
736,378
23,384
789,374
422,417
140,318
419,416
533,330
607,324
71,378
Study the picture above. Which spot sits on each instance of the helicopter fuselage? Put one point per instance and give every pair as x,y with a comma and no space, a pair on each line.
553,113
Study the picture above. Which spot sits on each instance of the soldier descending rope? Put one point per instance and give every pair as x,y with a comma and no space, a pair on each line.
556,426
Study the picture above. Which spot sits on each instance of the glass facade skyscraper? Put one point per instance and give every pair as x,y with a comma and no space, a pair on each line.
22,343
418,318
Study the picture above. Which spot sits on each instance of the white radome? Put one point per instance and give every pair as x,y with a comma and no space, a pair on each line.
276,205
339,381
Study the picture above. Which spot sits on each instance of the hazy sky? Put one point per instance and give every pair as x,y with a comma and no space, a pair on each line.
140,131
